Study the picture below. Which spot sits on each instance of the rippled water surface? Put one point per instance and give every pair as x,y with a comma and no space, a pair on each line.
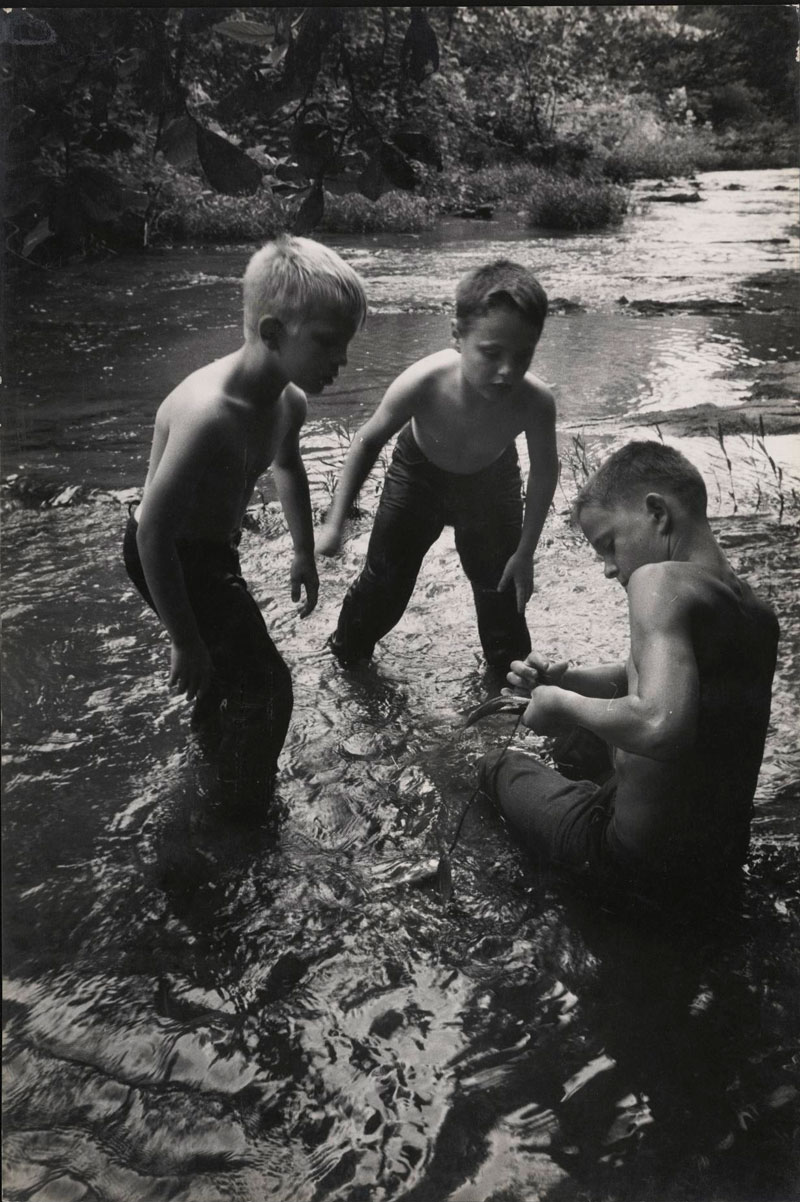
201,1011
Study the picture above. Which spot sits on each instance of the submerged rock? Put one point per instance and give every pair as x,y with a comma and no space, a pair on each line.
680,198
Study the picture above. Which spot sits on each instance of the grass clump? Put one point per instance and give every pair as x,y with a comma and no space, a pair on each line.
575,203
193,213
642,156
394,213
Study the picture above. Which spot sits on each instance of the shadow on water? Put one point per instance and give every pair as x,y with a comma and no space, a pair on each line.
203,1010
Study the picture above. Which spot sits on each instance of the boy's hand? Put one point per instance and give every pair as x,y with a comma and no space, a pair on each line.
329,540
535,671
519,572
543,713
190,669
304,573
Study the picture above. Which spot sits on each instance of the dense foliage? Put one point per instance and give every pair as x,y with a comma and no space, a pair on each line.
128,124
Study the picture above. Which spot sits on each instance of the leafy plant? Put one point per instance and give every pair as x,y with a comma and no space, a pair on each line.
564,203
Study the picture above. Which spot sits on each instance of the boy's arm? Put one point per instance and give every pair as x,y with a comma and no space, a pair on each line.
164,509
540,434
396,408
659,718
604,680
291,482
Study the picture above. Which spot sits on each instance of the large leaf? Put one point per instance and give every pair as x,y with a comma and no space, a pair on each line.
312,145
419,56
397,167
388,168
102,197
252,33
419,145
178,141
36,237
315,32
227,168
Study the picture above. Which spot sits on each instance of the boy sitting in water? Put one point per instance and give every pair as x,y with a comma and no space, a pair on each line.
456,463
214,436
686,717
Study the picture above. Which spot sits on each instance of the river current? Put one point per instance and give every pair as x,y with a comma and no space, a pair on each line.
203,1012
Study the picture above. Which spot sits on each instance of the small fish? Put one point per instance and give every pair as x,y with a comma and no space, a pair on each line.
514,703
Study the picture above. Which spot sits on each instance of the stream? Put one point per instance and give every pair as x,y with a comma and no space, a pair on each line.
198,1011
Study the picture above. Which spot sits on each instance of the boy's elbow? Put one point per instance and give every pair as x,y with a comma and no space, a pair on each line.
668,739
369,442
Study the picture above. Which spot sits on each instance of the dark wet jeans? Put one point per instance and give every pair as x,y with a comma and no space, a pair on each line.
565,818
251,694
418,501
564,823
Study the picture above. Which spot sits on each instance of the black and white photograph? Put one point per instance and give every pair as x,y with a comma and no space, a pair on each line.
400,498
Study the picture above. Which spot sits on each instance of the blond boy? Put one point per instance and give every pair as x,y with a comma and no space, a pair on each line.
215,434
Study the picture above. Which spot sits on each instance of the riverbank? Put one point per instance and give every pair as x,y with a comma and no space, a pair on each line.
142,201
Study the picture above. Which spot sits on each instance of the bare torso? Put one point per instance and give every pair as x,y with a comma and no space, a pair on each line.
670,808
230,442
461,431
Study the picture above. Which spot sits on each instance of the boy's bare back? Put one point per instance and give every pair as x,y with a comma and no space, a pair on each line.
720,642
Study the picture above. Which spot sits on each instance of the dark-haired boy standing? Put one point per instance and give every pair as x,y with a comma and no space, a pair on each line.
455,463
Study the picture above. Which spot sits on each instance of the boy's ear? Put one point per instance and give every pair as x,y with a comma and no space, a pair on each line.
270,330
455,331
658,508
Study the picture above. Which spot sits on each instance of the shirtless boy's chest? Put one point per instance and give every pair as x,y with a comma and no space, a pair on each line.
459,437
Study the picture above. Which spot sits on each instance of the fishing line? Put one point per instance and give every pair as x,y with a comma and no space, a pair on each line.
477,788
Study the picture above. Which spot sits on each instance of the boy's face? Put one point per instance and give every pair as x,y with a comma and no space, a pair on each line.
496,351
311,352
625,536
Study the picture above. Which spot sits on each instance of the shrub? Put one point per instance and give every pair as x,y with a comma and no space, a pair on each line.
395,212
507,185
401,213
734,103
663,156
186,211
183,208
564,202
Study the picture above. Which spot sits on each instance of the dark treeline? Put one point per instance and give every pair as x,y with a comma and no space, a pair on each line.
128,125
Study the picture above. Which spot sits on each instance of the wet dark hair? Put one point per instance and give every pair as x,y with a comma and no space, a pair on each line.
501,282
640,467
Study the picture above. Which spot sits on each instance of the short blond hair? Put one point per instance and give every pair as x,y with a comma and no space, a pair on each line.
290,277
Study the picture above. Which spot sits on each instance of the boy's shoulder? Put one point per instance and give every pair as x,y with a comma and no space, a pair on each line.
296,402
200,400
683,589
538,399
437,367
431,375
676,580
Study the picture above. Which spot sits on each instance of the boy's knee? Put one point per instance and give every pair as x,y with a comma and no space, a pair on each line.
487,774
